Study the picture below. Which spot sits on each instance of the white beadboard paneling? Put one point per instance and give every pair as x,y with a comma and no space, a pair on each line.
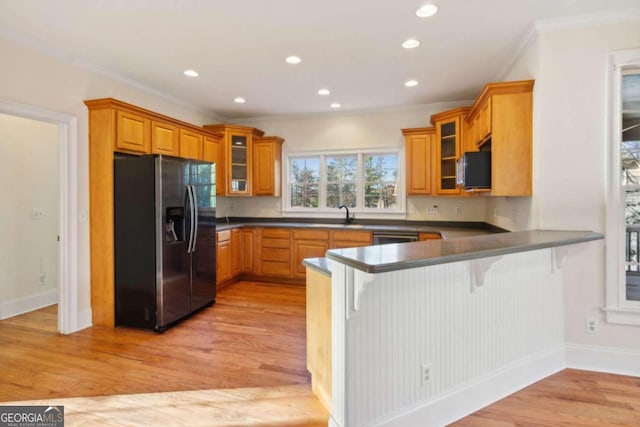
430,315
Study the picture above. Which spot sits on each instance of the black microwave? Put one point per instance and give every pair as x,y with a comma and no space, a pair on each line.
474,170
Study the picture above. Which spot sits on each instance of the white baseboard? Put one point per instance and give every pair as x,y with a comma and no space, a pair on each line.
29,303
603,359
475,395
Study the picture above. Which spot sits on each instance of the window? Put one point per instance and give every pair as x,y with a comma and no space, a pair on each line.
623,214
364,182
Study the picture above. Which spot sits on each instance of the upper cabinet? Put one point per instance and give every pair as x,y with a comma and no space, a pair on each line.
191,144
448,140
132,133
501,121
419,146
165,138
237,155
267,165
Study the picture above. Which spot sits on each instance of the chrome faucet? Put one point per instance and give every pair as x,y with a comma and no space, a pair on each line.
347,219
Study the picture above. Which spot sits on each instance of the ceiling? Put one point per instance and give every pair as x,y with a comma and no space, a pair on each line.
352,47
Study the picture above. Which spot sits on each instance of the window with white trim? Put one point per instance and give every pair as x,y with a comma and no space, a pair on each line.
623,207
368,181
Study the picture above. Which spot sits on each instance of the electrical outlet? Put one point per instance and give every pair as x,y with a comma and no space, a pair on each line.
433,210
425,373
591,325
37,213
458,210
43,276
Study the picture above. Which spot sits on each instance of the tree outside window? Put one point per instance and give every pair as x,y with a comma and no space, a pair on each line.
380,181
341,181
304,181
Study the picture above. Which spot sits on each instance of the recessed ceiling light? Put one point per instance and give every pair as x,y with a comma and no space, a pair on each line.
335,105
410,43
411,83
293,59
239,100
427,10
191,73
324,92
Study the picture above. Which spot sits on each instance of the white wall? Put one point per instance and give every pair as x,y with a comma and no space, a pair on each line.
570,146
29,173
33,77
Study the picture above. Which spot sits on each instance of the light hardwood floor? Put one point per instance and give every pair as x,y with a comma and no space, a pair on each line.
241,363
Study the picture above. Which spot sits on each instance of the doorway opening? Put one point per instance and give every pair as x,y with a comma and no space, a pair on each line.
67,213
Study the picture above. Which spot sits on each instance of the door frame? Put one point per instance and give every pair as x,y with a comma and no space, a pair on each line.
68,173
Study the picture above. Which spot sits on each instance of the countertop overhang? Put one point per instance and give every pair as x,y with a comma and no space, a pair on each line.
401,256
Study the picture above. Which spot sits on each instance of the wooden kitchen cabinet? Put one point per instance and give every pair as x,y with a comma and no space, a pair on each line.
211,146
349,238
449,136
505,113
165,138
132,133
223,257
247,257
308,244
267,165
190,144
236,252
275,252
237,155
419,145
429,236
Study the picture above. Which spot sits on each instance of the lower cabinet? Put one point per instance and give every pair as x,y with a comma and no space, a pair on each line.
247,255
308,244
275,253
429,236
223,257
350,238
236,252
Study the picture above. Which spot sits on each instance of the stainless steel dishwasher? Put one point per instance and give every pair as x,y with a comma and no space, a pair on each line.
384,237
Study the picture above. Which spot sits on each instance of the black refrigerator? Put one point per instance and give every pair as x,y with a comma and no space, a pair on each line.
164,235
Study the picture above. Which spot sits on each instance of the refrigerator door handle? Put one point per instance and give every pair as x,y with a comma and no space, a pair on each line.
192,224
194,210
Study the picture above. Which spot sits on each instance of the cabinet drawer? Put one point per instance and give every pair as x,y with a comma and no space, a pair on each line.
429,236
276,233
223,236
275,243
311,235
270,254
352,236
270,268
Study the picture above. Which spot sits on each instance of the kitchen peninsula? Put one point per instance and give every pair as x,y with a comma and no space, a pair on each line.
428,332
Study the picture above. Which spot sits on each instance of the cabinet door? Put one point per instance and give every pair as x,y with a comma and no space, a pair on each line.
267,165
447,153
236,252
164,139
247,264
211,152
190,144
429,236
223,268
418,163
133,133
239,161
308,244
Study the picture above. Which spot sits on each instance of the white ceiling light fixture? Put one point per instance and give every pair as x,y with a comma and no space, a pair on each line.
410,43
411,83
336,105
239,100
427,10
324,92
293,59
191,73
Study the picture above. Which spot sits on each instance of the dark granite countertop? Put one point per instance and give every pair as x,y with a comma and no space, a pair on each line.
446,229
392,257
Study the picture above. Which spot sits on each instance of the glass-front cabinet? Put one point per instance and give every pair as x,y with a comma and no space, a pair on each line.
235,176
448,126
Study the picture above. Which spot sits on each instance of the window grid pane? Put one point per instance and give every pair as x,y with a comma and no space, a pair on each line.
341,176
381,181
304,179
